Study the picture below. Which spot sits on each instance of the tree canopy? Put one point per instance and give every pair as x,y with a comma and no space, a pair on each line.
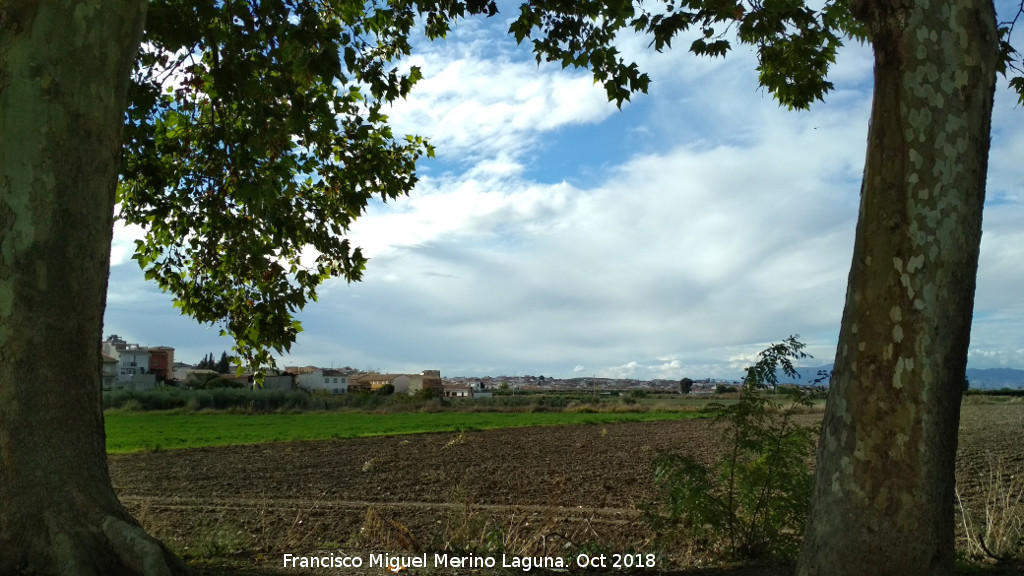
254,137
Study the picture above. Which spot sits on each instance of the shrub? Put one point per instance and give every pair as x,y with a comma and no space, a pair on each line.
753,502
425,394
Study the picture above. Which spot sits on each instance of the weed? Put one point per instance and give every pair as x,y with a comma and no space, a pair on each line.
381,532
466,529
300,530
142,513
221,540
274,533
753,502
456,440
995,528
524,533
372,464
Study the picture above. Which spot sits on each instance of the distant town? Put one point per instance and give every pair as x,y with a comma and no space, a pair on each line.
131,366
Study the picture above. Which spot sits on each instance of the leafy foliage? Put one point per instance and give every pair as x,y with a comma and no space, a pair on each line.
1012,60
754,501
254,137
796,44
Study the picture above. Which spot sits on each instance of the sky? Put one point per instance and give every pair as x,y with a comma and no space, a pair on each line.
557,235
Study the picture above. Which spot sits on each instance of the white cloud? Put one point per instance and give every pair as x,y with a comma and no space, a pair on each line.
625,371
489,112
676,251
725,224
123,245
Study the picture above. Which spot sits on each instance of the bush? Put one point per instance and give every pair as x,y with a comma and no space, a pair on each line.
753,502
425,394
208,381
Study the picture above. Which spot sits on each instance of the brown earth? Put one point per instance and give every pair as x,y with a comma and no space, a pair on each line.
535,489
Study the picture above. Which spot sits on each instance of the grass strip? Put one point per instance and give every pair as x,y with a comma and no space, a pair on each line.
141,431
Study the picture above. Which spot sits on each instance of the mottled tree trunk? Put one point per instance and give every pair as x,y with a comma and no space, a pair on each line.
64,71
884,487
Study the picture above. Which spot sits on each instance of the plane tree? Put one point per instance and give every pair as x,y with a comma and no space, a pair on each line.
884,487
246,136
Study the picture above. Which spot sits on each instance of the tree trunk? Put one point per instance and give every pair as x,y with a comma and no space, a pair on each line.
64,72
884,486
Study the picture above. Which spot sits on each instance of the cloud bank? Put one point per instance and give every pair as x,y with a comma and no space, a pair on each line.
557,235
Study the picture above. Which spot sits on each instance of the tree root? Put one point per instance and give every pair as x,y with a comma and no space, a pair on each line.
138,551
116,548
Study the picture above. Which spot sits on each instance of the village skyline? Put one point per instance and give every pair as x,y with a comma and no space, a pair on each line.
992,378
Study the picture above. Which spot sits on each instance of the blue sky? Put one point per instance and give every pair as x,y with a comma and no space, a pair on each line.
556,235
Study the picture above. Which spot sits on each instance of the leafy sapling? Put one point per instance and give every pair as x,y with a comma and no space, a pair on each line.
753,502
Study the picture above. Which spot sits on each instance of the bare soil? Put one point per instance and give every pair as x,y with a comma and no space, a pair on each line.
536,489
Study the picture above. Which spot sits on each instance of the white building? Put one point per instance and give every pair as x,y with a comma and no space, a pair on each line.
132,363
319,379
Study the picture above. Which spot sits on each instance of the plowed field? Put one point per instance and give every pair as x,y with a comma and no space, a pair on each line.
537,488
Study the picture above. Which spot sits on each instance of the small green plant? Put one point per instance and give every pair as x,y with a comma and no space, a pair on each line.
753,502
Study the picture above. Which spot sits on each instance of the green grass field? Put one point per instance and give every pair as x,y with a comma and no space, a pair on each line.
139,431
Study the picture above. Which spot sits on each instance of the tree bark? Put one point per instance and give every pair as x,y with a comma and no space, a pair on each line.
884,485
64,72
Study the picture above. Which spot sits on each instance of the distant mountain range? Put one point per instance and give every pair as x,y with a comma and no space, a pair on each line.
980,379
